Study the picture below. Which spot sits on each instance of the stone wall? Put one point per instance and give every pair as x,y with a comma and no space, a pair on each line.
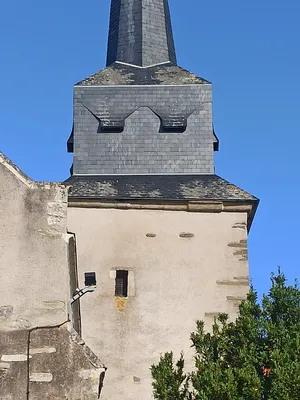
182,266
40,354
33,257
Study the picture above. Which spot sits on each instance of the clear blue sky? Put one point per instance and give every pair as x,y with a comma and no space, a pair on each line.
248,49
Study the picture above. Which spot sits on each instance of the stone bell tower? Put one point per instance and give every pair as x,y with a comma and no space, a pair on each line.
165,235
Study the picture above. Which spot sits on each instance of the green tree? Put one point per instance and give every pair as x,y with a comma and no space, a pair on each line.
256,357
170,382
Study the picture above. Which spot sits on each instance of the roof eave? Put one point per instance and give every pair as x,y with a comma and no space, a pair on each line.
189,205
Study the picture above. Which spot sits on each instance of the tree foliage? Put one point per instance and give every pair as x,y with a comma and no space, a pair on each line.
170,382
256,357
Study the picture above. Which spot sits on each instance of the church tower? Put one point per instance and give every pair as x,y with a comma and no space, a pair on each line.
166,236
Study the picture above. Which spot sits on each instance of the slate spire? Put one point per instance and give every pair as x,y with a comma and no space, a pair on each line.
140,33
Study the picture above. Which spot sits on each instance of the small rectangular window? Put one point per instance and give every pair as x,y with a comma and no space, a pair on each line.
121,289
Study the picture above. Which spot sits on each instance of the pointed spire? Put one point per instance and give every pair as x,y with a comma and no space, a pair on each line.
140,33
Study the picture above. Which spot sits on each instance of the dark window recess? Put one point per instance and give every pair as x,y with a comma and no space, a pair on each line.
173,129
121,289
111,129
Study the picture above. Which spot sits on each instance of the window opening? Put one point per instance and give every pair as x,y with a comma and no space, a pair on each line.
121,289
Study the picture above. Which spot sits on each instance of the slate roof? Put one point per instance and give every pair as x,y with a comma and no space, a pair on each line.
122,74
141,49
156,187
140,32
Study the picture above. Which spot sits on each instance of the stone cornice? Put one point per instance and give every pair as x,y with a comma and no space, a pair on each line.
248,207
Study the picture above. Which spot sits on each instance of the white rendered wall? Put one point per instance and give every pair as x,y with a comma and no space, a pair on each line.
173,281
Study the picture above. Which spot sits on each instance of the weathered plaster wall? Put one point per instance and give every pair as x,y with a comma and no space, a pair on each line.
182,267
33,252
38,356
47,363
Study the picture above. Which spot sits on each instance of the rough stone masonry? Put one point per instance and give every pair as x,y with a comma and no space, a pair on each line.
41,355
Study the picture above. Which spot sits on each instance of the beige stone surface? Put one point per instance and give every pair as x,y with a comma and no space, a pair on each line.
183,267
35,285
33,251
